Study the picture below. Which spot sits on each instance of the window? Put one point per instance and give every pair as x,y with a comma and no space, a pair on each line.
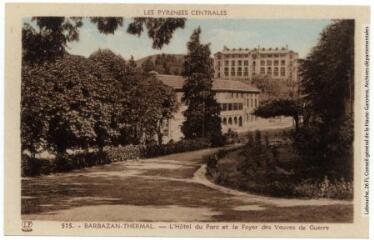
269,71
240,62
232,71
235,106
283,62
235,120
239,73
236,95
232,95
262,62
245,62
224,107
240,106
251,102
276,71
226,71
230,106
226,63
283,71
240,121
230,121
262,70
255,102
276,62
247,102
269,62
245,71
224,121
233,63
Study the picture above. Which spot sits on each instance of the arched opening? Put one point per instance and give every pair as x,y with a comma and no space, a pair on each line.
230,121
224,121
240,121
235,120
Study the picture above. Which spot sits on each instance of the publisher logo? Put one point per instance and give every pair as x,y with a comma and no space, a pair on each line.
26,226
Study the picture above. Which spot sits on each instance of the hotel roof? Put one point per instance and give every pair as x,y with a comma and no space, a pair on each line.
219,85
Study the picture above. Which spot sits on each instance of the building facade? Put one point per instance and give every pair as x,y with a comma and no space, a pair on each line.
237,101
244,64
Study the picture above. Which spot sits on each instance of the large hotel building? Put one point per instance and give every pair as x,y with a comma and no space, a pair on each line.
244,64
237,97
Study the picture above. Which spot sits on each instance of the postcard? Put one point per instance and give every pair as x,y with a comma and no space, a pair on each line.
186,120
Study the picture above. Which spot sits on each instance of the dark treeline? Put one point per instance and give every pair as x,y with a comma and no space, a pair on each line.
77,102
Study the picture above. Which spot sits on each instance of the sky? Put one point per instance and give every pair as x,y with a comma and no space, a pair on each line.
299,34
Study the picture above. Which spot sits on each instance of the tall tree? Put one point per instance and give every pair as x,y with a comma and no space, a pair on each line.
202,114
327,86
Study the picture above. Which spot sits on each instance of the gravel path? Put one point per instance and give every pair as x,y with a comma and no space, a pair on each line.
168,188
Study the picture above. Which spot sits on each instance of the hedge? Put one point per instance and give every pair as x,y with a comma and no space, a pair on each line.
35,166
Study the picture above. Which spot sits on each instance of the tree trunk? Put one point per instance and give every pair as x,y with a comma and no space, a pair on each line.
296,119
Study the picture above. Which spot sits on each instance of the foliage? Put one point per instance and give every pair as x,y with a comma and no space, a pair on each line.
160,30
269,87
50,39
280,107
327,86
231,137
32,166
339,189
269,181
143,102
152,103
65,99
148,65
202,114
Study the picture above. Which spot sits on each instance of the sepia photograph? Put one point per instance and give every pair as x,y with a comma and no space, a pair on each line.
185,120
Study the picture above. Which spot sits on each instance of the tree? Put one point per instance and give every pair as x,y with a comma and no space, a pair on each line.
202,114
327,86
269,87
125,78
148,65
152,103
280,107
66,99
49,40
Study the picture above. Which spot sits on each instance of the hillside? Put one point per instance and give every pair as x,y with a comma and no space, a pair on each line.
163,63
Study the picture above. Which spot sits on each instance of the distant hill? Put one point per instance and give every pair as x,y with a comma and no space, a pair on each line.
163,63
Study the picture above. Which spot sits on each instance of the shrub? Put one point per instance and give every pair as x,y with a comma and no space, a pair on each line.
123,153
339,189
231,137
67,162
34,166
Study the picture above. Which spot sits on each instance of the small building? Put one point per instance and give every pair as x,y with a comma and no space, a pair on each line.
237,101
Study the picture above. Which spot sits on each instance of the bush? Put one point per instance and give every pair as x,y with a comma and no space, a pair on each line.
123,153
34,166
68,162
231,137
339,189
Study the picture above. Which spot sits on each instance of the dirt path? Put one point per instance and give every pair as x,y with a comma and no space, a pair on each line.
168,188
